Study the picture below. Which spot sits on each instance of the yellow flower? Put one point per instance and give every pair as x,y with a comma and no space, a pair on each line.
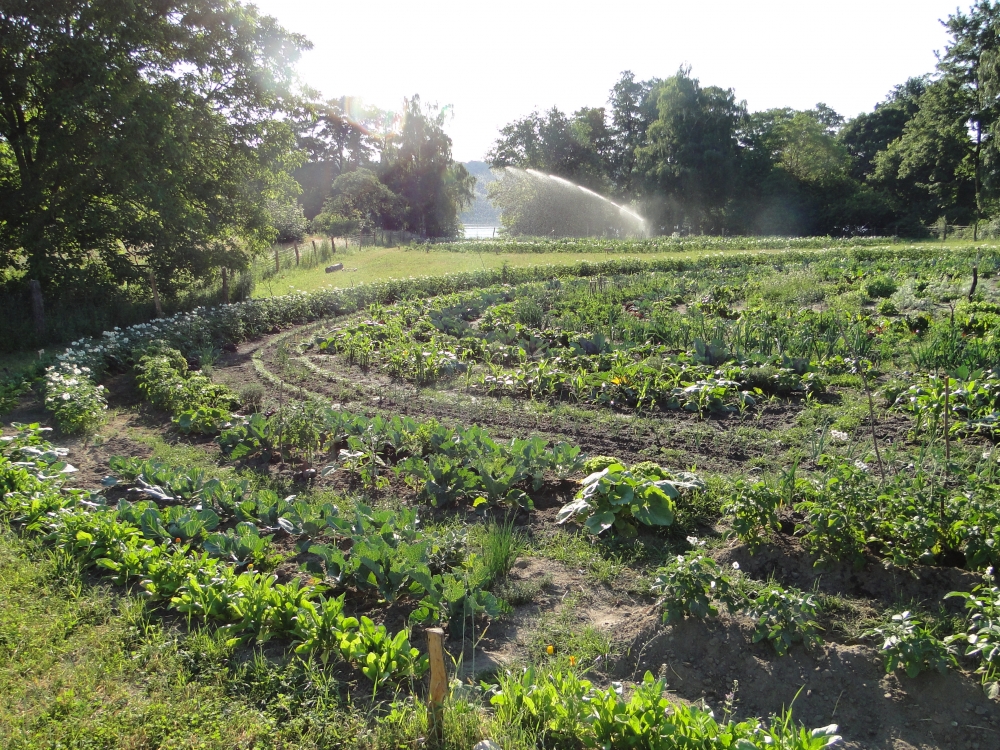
550,649
572,661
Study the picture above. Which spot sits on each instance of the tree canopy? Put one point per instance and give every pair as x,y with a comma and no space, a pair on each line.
692,158
138,135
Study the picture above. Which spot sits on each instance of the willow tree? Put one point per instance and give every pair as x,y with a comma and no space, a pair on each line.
138,135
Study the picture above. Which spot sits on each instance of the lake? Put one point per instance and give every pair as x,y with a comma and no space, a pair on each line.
480,231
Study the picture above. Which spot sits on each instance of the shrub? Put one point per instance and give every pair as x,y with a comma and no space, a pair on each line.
77,403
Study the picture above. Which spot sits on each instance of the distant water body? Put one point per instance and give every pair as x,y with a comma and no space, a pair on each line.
480,231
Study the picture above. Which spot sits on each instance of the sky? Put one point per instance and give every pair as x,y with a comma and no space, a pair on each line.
496,62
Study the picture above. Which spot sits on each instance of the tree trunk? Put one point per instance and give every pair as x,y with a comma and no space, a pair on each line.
156,294
225,286
37,309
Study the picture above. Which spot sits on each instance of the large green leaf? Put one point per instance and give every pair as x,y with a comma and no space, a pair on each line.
655,509
600,522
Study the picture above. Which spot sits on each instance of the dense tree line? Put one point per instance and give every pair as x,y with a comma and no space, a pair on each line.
694,159
149,149
370,169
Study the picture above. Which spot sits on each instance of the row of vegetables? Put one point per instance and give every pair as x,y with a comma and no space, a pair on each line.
73,396
192,575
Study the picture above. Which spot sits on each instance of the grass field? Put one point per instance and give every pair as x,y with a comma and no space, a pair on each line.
377,264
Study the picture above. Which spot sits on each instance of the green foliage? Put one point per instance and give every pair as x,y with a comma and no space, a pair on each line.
981,641
198,404
177,191
598,463
784,616
616,497
753,509
880,287
570,712
908,644
692,584
76,402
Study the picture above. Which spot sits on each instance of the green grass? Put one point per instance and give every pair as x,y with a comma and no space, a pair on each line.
83,665
380,263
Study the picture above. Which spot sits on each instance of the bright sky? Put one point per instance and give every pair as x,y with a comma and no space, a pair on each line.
497,61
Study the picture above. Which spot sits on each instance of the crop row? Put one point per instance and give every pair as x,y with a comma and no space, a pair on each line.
249,605
695,585
76,402
659,244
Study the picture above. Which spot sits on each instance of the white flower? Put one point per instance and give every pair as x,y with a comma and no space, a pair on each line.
736,566
66,397
838,435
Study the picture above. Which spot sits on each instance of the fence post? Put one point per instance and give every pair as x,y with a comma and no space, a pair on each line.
296,253
333,244
277,260
37,308
439,683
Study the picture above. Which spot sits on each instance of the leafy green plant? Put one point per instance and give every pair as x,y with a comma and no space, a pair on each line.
784,616
615,497
908,644
77,403
754,510
981,641
692,584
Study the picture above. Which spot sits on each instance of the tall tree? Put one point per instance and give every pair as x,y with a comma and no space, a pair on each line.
633,108
576,148
139,134
417,165
972,62
872,132
929,170
691,154
337,136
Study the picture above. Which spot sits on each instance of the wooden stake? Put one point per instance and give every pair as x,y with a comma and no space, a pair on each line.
37,308
439,683
277,260
156,294
296,253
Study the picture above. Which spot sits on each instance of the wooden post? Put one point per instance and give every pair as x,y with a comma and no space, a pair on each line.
156,294
296,253
37,308
277,260
333,244
225,286
439,683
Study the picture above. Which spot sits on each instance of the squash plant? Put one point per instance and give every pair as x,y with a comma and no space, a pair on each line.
619,498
